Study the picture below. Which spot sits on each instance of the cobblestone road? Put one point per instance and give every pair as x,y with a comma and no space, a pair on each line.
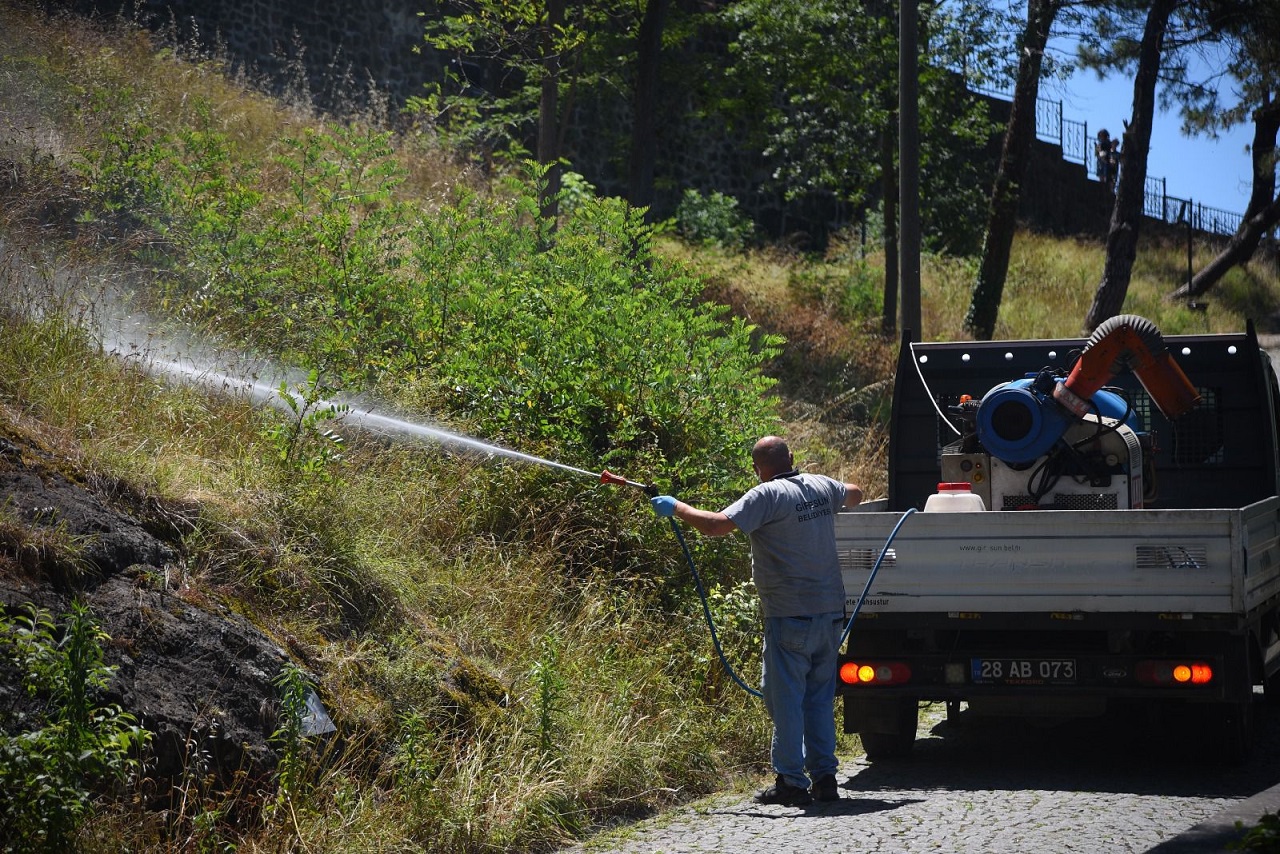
984,786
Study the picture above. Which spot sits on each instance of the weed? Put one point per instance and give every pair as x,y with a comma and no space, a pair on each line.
415,762
847,293
1262,837
289,738
548,684
302,444
70,745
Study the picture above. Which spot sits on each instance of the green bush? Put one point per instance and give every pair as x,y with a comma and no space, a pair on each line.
54,760
847,293
713,220
578,343
1263,837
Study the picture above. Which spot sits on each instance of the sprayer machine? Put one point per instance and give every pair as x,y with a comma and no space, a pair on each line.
1054,439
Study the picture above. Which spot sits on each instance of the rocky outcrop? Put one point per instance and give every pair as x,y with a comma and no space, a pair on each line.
196,675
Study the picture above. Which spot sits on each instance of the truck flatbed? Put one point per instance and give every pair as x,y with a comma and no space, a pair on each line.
1209,561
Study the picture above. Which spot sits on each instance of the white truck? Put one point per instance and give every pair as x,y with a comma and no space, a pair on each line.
1128,555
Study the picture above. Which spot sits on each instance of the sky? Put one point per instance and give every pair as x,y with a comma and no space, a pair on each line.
1209,172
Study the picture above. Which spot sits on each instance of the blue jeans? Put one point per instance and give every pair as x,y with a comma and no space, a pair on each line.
799,687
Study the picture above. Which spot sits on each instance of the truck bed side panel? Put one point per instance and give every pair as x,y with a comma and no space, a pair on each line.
1157,561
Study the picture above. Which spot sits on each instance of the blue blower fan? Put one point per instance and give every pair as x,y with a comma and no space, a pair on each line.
1020,421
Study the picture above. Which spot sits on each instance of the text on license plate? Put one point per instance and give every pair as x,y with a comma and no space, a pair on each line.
1025,671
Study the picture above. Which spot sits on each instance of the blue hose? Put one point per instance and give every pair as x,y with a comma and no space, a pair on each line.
706,612
711,625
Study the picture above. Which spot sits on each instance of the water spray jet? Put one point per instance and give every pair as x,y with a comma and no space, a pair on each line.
202,372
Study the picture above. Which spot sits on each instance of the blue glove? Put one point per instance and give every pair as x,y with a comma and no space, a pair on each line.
663,505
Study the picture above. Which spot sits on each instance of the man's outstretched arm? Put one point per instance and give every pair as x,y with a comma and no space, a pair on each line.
706,522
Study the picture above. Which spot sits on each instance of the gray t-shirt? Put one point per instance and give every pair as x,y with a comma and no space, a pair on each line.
791,523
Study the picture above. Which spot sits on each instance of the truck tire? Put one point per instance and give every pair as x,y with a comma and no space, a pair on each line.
899,742
1232,721
1235,731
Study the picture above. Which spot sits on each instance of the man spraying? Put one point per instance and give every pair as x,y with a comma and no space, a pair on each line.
790,519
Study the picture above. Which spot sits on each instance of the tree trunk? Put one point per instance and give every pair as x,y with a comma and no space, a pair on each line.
549,114
644,142
889,184
1015,153
1131,189
886,11
1262,213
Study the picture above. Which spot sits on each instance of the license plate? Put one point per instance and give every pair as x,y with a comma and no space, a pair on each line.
1024,671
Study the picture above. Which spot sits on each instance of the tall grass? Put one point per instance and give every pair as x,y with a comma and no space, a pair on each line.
409,611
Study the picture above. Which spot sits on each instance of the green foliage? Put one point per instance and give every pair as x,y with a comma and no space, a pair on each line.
583,343
735,610
73,746
548,685
333,237
415,762
124,167
593,348
849,294
575,191
301,442
814,88
288,738
1263,837
500,53
713,220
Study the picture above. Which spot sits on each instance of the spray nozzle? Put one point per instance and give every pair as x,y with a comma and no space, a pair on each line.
607,476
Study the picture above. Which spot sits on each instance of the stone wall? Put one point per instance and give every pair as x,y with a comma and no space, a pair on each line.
340,46
1058,196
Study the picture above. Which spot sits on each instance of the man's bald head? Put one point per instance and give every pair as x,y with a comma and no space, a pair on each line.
771,457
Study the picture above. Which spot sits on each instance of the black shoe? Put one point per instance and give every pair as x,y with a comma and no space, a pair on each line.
825,789
782,792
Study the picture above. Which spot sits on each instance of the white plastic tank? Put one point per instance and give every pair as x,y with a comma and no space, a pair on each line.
954,498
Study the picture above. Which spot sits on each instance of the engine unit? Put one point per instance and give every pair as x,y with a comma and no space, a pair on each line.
1097,465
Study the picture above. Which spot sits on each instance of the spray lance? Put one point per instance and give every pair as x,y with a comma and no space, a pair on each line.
649,489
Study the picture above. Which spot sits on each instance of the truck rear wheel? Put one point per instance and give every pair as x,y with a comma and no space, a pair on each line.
1234,731
1222,733
895,739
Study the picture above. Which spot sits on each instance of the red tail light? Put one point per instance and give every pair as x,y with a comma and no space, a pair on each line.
1174,673
874,673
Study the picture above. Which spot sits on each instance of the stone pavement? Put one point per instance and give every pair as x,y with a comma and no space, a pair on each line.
1215,833
991,787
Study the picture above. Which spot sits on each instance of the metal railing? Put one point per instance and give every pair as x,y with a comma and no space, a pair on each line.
1171,209
1076,146
1073,139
